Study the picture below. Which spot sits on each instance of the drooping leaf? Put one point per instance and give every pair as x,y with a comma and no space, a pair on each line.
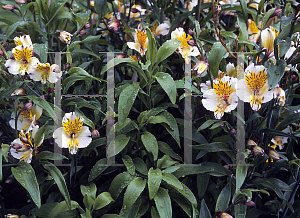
168,85
119,183
102,200
97,169
168,48
150,144
163,203
154,180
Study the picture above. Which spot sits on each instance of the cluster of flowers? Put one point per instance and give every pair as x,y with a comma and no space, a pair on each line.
22,62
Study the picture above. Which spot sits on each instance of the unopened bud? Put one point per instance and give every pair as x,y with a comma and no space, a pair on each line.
273,154
42,96
16,146
191,32
116,28
86,26
19,91
276,13
134,10
21,1
11,216
258,151
5,44
8,7
121,56
223,215
248,203
233,131
191,42
68,5
95,133
251,143
82,32
50,90
24,140
227,167
294,78
280,95
27,106
219,27
1,53
68,66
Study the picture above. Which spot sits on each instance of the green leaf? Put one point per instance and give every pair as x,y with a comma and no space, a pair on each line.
154,180
224,198
41,50
163,203
240,210
126,100
89,190
182,202
174,132
111,216
267,15
154,213
166,149
102,200
101,8
204,211
59,180
129,164
119,183
39,135
292,118
13,28
212,147
140,165
62,207
7,92
43,104
189,170
115,147
275,73
202,183
97,169
188,194
151,51
165,162
284,46
133,191
44,210
168,85
25,175
168,48
241,173
171,180
86,120
77,74
48,155
150,144
4,151
159,119
244,9
215,56
88,202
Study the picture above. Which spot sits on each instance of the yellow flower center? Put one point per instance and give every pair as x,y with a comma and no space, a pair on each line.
45,68
184,40
134,57
222,89
141,38
256,81
25,139
73,127
27,114
23,55
221,75
253,28
153,28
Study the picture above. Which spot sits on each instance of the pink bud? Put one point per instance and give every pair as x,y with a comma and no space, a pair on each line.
294,78
191,42
68,66
116,28
248,203
191,32
227,167
86,26
27,106
42,96
82,32
95,133
8,7
1,53
121,56
21,1
134,10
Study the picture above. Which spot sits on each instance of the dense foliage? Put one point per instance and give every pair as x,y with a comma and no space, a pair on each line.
235,61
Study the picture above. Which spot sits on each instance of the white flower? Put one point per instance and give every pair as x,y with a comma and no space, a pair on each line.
72,135
201,67
280,140
222,98
23,147
24,40
23,59
27,118
161,29
65,37
231,70
44,72
267,39
279,94
140,43
190,4
184,49
254,88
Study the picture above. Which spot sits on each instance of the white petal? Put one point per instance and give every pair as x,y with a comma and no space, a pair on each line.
162,29
37,111
233,100
289,52
253,68
210,100
84,137
13,66
243,91
72,116
61,137
134,45
268,96
55,73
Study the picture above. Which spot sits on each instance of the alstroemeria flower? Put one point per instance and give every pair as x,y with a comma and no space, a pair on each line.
281,140
65,37
161,29
72,135
279,94
23,58
27,118
231,70
140,43
24,40
253,31
254,88
23,147
44,72
190,4
201,67
222,98
185,49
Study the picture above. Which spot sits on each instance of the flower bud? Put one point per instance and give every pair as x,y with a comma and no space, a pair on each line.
50,90
227,167
294,78
42,96
82,32
27,106
19,91
1,53
276,13
248,203
258,151
251,143
134,10
65,37
273,154
8,7
86,26
191,42
280,95
11,216
201,67
223,215
191,32
68,66
95,133
21,1
116,28
121,56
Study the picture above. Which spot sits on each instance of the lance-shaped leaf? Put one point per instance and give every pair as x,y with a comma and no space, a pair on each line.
133,191
168,48
102,200
163,203
25,175
154,180
119,183
116,146
167,83
150,144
